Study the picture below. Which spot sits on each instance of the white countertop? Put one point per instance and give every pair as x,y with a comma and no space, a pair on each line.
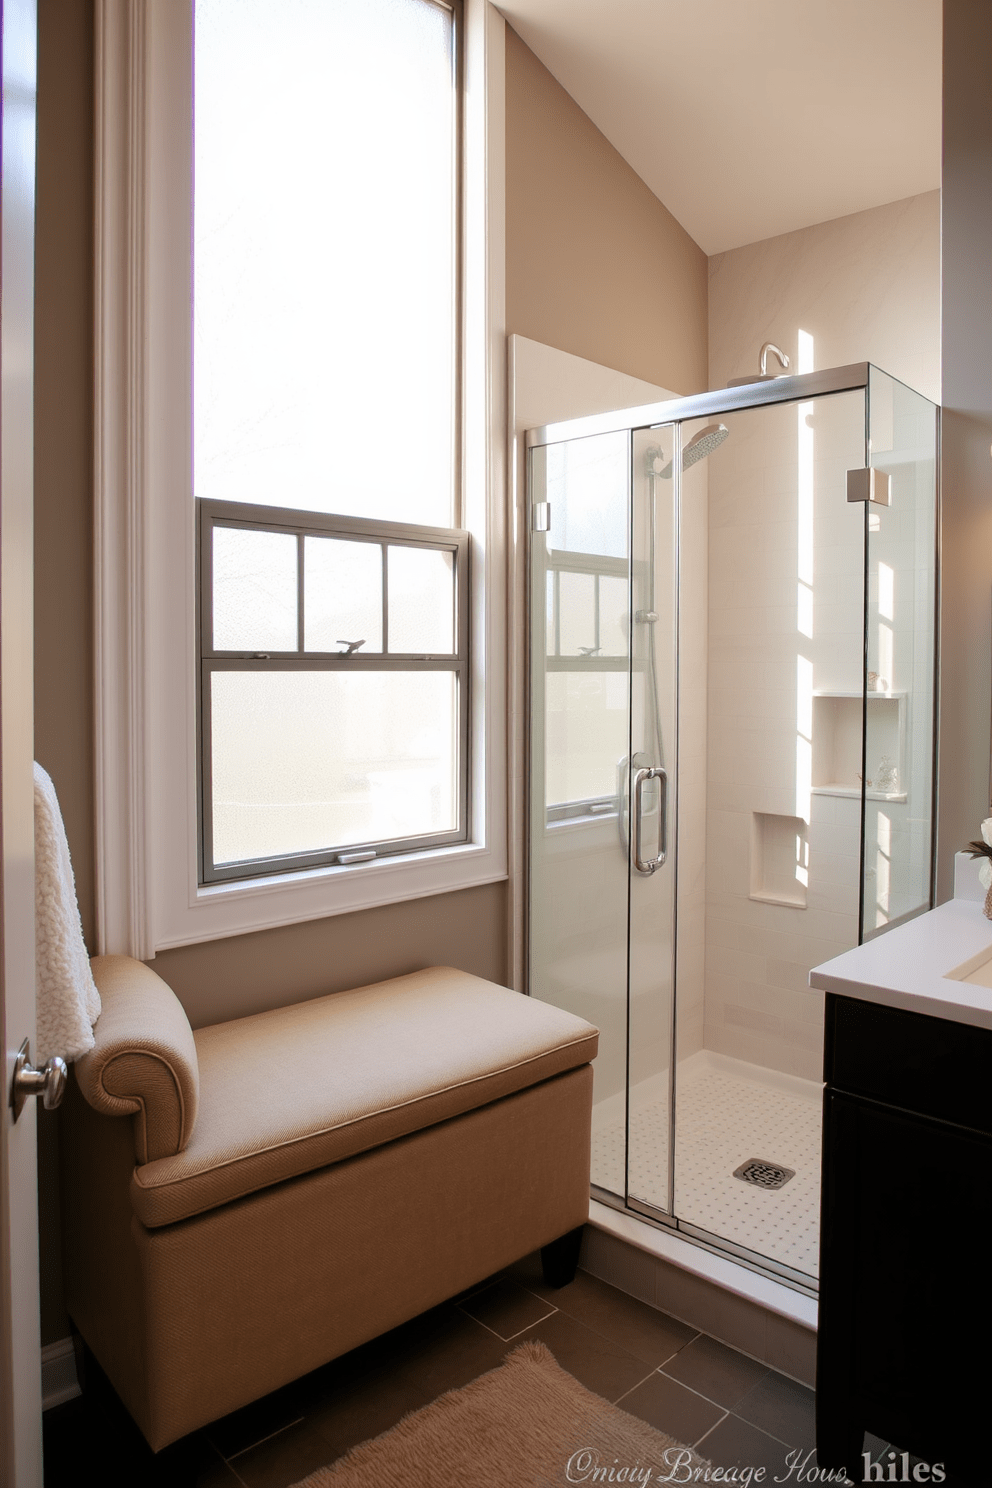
919,966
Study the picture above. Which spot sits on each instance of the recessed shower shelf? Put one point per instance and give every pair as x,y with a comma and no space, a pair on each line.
854,791
839,722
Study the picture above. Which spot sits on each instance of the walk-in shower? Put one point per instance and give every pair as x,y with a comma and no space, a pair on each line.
731,769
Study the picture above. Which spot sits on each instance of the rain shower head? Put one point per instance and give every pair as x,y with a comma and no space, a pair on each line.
703,444
699,446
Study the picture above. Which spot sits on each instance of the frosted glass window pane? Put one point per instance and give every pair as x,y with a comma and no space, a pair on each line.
577,625
342,590
254,590
309,760
586,726
324,255
587,485
421,601
613,615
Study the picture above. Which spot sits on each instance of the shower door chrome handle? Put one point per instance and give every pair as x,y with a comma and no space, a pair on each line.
640,776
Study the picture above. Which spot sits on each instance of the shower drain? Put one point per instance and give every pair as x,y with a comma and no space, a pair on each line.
764,1174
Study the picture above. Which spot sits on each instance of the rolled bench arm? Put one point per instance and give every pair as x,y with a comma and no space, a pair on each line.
144,1063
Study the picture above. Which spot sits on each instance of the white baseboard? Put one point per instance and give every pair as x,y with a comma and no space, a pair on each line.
59,1381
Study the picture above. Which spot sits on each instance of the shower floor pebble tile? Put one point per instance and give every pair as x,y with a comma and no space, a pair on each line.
723,1120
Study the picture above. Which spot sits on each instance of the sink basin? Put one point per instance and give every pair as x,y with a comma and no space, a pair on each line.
977,970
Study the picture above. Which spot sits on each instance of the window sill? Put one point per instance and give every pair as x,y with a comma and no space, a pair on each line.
215,911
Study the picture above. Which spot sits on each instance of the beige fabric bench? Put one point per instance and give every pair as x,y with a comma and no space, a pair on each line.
291,1184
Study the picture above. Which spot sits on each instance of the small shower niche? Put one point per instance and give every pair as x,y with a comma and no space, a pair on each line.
837,744
779,859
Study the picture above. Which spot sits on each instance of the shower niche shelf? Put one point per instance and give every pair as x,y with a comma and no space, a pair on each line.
779,860
836,766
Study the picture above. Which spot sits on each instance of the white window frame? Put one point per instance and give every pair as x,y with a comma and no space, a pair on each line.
148,894
381,659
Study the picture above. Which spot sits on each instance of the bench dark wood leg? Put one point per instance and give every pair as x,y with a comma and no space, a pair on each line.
560,1259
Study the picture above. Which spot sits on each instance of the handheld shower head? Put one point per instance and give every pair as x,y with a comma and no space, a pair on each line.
703,444
699,446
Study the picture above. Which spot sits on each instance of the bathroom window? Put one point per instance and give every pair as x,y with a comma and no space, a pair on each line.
333,694
333,689
324,372
325,357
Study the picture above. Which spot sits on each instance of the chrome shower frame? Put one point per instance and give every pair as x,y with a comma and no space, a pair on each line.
793,389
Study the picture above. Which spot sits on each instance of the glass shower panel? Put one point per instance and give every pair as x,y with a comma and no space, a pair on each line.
580,741
651,801
900,656
775,705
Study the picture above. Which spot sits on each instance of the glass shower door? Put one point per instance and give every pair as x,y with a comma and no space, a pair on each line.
651,809
580,741
602,787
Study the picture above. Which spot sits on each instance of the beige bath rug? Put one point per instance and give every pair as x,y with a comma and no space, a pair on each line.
527,1424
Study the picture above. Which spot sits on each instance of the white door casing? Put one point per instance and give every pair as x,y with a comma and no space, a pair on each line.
20,1347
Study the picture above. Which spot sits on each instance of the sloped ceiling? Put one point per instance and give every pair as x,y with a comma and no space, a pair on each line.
750,118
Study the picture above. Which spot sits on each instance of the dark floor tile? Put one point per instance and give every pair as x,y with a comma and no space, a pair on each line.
421,1365
253,1423
737,1444
716,1371
193,1462
671,1407
285,1458
530,1274
74,1434
597,1362
481,1286
411,1338
644,1331
449,1351
782,1408
506,1308
365,1408
81,1435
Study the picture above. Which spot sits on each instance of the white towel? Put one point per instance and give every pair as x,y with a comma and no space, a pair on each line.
68,1002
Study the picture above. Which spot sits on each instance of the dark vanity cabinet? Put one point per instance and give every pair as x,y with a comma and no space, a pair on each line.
904,1346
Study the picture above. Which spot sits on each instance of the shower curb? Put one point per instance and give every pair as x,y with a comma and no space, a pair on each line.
765,1319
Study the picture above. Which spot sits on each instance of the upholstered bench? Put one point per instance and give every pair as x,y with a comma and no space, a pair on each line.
286,1186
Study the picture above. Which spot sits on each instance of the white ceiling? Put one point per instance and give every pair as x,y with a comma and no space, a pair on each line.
749,118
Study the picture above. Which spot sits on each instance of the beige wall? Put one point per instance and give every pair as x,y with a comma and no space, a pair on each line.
63,498
64,425
595,265
247,973
866,287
